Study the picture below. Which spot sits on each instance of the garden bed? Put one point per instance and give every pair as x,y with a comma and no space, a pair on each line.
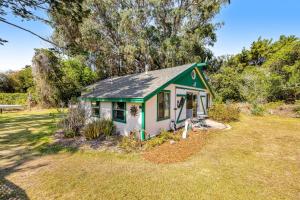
80,142
172,152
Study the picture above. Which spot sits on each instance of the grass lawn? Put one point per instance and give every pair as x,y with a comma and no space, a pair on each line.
259,158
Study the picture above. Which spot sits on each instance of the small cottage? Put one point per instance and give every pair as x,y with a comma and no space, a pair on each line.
150,101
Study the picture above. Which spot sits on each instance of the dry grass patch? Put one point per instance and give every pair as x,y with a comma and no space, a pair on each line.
259,158
179,151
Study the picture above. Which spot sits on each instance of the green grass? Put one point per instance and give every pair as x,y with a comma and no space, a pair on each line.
259,158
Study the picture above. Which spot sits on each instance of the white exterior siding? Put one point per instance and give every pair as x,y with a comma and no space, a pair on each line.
105,110
153,126
133,123
87,107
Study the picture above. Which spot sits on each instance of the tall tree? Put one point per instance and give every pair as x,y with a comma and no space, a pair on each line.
124,36
47,76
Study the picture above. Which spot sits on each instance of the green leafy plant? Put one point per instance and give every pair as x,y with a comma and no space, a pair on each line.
130,144
163,137
257,110
13,98
224,112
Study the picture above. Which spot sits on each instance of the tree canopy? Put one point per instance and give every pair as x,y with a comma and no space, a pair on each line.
268,71
122,37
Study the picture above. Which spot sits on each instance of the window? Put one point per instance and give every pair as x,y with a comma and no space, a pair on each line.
95,108
163,105
119,111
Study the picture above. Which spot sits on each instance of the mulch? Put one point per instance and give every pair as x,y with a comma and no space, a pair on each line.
179,151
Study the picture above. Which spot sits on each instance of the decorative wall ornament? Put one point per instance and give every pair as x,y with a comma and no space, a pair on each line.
193,75
134,110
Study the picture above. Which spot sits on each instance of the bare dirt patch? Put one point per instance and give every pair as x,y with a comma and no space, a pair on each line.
179,151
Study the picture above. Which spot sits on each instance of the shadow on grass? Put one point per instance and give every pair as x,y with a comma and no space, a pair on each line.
23,139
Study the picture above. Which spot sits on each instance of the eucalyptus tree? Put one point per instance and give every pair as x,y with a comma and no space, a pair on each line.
35,10
124,36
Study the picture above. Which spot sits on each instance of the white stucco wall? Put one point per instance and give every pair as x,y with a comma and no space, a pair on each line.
132,122
88,109
105,110
153,126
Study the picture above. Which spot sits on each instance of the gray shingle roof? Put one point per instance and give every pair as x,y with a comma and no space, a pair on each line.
134,85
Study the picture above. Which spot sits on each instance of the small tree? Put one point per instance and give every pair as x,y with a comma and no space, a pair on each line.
255,84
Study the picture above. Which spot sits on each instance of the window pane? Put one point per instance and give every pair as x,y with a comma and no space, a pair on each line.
163,105
119,109
160,101
119,115
167,105
119,105
96,112
95,103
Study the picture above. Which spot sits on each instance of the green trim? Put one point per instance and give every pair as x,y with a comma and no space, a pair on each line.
143,122
204,110
112,113
181,95
132,100
161,119
195,89
171,81
179,121
205,81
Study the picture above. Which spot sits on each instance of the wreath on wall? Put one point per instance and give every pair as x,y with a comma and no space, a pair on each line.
134,110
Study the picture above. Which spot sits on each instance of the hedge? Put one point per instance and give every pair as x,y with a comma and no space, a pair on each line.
13,98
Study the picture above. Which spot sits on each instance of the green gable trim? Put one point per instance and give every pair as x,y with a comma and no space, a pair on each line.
179,121
131,100
200,73
182,74
186,88
187,80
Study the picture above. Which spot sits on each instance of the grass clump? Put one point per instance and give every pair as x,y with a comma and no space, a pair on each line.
99,127
258,110
224,112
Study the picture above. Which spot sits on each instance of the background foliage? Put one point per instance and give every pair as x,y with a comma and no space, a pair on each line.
13,98
268,71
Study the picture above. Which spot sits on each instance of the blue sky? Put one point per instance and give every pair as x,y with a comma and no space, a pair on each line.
245,21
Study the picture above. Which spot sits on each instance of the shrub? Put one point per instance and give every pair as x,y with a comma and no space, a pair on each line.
73,121
163,137
257,110
13,98
99,127
297,110
224,112
130,144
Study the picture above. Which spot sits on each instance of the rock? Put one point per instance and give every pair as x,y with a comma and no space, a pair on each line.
172,142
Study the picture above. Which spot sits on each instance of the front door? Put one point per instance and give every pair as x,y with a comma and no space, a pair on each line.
191,105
